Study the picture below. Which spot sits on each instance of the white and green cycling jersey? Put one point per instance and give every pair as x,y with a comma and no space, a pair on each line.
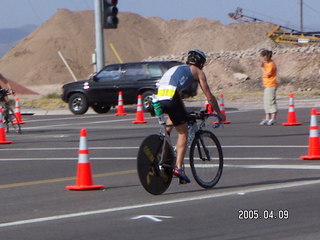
178,78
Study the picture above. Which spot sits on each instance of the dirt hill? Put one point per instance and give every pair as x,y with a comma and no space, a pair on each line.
232,50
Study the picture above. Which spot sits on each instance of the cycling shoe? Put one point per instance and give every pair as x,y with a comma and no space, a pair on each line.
183,179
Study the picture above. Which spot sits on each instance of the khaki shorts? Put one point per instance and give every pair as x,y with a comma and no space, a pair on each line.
270,101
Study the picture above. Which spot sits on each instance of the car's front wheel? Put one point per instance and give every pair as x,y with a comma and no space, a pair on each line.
101,108
78,104
146,99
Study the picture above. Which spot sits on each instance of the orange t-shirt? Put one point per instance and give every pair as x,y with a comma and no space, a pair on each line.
269,76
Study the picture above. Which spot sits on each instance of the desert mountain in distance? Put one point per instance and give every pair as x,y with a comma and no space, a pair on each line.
11,36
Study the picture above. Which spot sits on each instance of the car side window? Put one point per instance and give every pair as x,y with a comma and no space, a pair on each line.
109,74
155,71
134,72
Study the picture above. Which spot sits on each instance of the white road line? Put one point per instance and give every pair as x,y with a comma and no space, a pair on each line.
135,158
67,148
265,146
66,159
269,187
259,158
276,166
82,123
67,118
137,147
77,124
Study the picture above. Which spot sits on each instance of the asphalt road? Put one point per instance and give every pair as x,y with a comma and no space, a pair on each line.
266,190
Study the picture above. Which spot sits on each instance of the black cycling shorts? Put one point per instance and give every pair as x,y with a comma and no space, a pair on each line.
175,109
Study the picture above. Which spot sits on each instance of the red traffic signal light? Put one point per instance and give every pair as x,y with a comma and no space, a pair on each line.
110,11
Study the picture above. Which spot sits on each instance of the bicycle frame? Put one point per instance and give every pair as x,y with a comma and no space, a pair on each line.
165,135
193,128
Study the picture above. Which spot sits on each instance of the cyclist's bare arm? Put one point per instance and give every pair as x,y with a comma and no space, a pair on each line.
202,79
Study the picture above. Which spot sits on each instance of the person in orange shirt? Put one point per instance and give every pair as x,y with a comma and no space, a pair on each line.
269,79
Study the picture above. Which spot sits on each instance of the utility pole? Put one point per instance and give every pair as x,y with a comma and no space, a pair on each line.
99,36
301,15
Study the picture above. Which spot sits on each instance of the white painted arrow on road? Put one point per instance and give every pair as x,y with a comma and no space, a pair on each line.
154,218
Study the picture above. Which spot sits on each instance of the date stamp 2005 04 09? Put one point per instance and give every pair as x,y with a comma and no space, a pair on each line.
253,214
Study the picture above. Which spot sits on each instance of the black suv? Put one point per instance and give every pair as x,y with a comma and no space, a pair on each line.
101,91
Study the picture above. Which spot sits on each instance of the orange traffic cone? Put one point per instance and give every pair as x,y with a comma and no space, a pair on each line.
292,119
84,176
222,109
2,131
314,140
17,113
207,106
139,113
120,111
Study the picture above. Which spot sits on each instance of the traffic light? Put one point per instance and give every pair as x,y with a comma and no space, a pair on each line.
110,11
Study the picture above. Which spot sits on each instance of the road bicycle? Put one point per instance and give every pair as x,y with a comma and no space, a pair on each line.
9,118
156,156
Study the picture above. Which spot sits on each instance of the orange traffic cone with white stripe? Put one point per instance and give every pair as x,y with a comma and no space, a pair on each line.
120,110
84,176
222,109
314,140
207,106
292,118
17,113
139,113
3,139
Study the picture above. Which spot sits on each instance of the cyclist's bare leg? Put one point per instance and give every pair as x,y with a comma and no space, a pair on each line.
181,146
169,125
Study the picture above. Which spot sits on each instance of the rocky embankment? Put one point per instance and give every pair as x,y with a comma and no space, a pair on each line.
298,67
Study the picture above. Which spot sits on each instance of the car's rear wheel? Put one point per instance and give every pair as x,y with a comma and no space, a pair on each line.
78,104
101,108
146,99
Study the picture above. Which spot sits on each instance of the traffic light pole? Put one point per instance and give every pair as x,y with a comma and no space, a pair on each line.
99,36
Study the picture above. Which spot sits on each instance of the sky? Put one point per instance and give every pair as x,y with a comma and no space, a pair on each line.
16,13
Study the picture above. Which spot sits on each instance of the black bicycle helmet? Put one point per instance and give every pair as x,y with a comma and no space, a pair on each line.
197,58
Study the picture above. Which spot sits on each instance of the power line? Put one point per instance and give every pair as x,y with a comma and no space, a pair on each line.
315,27
311,8
284,22
87,4
83,5
273,19
34,10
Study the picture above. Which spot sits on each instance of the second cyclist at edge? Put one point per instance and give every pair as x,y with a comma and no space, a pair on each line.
177,83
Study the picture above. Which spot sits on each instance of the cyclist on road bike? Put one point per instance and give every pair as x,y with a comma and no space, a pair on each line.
181,82
4,84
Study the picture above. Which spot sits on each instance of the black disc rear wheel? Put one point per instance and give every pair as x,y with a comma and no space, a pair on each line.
155,176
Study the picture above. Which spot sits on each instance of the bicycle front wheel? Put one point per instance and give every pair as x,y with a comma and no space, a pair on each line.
206,159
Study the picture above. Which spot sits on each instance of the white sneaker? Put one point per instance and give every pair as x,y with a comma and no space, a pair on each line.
271,122
264,122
